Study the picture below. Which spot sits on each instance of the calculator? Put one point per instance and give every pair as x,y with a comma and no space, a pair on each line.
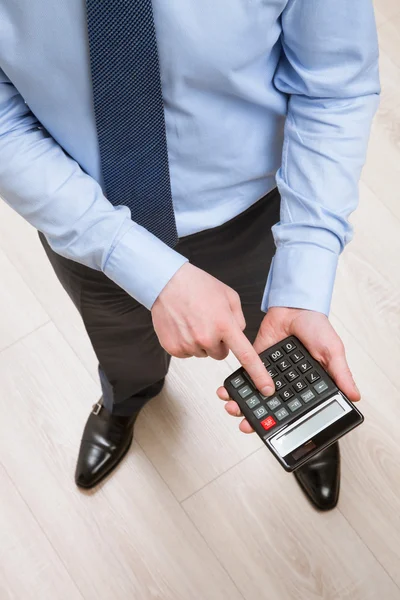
307,412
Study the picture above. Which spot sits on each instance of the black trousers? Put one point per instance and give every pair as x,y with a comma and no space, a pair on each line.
132,364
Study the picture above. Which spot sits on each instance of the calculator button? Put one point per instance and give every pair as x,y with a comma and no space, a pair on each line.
252,401
299,385
289,346
272,372
321,386
284,364
313,377
294,404
265,362
296,356
268,423
274,356
279,383
292,375
273,403
286,395
304,366
307,396
260,412
245,391
281,413
236,381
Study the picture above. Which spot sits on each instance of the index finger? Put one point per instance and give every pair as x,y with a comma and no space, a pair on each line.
249,359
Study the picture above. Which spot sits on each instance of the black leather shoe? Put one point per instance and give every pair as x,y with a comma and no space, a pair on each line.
105,441
319,478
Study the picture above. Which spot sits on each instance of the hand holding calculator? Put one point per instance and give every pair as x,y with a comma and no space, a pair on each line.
306,414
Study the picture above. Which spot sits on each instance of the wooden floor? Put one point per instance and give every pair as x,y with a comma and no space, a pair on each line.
198,510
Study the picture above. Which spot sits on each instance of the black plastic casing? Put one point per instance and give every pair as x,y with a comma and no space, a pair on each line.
318,442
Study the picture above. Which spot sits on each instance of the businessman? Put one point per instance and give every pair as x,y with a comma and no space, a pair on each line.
191,167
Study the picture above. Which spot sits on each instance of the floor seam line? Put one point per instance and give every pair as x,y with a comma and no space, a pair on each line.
42,530
25,336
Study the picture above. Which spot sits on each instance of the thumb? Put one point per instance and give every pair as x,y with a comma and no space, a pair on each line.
267,336
339,370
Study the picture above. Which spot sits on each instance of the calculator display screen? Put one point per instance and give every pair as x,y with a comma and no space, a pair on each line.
298,435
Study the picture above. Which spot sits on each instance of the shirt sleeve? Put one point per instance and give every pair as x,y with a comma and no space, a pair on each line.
49,189
329,70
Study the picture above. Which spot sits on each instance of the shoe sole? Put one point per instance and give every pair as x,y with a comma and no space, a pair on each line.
110,470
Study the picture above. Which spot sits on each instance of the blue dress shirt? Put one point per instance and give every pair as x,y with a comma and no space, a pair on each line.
254,90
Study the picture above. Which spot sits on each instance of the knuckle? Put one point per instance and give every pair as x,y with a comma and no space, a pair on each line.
203,340
176,350
235,298
247,357
173,350
224,353
224,329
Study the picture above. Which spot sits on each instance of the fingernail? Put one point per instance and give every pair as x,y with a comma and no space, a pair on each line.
238,412
267,390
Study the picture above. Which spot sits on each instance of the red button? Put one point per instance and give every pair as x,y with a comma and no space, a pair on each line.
268,423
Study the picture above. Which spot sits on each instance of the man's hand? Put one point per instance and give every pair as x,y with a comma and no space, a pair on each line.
197,315
319,337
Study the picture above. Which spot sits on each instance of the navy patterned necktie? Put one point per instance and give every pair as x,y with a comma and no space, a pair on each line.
129,112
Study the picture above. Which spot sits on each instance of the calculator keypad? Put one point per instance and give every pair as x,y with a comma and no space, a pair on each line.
260,412
252,401
321,386
294,404
312,377
237,381
273,403
284,364
307,396
277,355
289,346
279,383
296,356
291,375
286,394
245,391
272,372
281,413
300,383
268,423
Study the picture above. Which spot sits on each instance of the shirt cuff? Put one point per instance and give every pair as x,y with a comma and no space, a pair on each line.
301,276
141,264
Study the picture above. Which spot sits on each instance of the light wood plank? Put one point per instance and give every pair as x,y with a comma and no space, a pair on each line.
367,292
20,312
128,539
389,39
380,18
186,432
21,243
388,8
370,497
382,169
275,546
29,567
